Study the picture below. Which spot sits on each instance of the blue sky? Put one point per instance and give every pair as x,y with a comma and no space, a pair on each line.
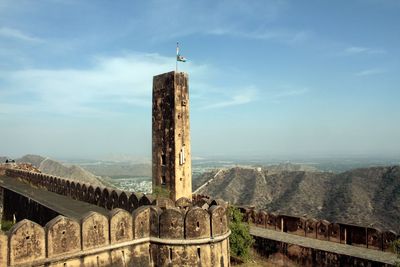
268,78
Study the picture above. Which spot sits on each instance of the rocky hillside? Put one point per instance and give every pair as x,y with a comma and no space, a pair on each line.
370,195
53,167
35,160
361,196
290,167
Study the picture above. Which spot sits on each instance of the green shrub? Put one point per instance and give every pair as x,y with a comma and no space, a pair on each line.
6,225
159,191
240,239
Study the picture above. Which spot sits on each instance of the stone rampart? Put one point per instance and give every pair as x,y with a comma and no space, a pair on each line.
150,236
105,197
355,235
140,230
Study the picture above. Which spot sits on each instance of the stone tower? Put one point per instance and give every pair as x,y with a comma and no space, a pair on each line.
172,167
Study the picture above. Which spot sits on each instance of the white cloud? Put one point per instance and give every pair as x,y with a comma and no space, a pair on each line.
282,35
239,97
110,86
353,50
228,17
111,81
369,72
291,92
18,35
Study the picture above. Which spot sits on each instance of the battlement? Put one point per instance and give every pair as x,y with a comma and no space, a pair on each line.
105,197
95,237
355,235
138,230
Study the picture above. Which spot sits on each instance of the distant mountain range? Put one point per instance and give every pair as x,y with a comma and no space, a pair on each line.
49,166
366,196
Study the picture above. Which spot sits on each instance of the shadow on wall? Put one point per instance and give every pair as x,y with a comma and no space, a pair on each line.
150,235
349,234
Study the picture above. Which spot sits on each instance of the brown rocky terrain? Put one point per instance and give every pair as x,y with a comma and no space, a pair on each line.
35,160
49,166
367,196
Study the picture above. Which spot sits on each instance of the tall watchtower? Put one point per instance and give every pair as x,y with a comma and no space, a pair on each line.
172,167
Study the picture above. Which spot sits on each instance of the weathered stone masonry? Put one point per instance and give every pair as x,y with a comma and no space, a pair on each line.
171,234
355,235
171,135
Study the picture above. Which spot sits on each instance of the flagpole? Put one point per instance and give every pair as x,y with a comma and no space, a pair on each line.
176,58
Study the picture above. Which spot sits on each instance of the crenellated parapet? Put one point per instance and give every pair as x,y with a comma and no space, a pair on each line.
361,236
109,198
150,236
140,230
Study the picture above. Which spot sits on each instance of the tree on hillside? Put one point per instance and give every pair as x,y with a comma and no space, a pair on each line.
240,239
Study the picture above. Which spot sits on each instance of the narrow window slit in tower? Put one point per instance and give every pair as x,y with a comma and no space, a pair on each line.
163,180
198,253
182,157
170,254
123,258
163,160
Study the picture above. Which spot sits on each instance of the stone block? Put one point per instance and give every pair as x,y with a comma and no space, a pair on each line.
323,230
95,230
121,228
122,257
3,249
63,236
218,220
171,224
141,222
27,243
98,260
141,255
197,223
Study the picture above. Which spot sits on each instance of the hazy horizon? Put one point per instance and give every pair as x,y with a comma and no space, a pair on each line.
267,78
394,158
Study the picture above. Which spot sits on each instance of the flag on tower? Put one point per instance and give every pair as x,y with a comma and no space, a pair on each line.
178,56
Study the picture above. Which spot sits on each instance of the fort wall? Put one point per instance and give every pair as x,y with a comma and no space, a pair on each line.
287,254
355,235
105,197
150,236
18,207
139,230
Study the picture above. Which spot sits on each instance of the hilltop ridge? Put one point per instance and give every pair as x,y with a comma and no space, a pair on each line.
53,167
365,196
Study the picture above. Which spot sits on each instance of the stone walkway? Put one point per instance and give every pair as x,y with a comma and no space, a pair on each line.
357,252
63,205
